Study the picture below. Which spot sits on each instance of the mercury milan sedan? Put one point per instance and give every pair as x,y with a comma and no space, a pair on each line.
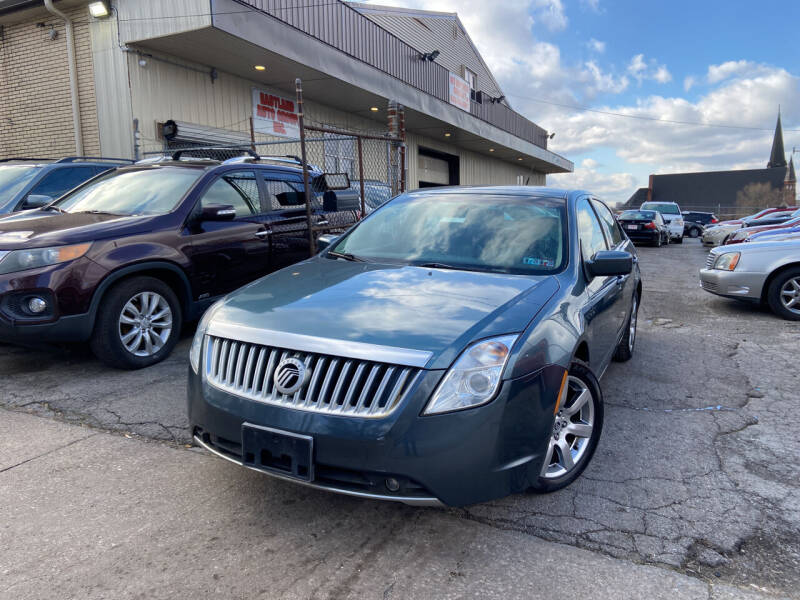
446,349
767,272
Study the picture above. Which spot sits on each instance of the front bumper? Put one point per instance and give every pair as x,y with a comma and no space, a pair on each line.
459,458
72,328
733,284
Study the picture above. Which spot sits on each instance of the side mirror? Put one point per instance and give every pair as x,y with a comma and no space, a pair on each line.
36,201
326,240
218,212
608,263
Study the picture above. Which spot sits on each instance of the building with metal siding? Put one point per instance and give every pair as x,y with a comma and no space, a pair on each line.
191,61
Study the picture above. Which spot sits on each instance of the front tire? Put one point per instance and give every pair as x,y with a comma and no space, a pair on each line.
138,324
576,431
783,295
678,240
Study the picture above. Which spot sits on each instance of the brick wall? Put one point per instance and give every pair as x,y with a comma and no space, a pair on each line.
35,106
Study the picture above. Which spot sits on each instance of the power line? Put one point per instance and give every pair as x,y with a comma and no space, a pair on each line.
642,117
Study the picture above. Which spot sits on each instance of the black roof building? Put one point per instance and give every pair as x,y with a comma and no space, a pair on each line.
726,192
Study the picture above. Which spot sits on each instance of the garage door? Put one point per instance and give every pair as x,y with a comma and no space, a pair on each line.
432,171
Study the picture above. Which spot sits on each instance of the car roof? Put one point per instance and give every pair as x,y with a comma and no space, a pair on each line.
66,161
211,164
509,190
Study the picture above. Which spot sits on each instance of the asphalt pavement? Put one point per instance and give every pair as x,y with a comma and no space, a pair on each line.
693,491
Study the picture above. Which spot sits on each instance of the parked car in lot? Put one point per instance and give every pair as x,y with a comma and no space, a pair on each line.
125,259
33,182
671,213
766,272
445,350
695,222
645,226
773,234
744,233
719,234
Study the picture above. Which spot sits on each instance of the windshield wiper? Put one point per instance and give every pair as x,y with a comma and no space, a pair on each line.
345,256
437,265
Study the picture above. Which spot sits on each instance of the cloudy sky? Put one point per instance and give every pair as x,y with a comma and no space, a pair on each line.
721,62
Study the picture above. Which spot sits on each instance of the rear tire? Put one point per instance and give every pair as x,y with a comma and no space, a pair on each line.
783,295
578,411
694,232
678,240
138,323
624,350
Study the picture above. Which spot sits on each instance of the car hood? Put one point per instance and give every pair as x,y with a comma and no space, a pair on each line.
39,228
367,305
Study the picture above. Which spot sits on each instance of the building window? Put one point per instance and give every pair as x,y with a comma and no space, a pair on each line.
472,79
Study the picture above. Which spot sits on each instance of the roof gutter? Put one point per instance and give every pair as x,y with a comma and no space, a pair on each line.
73,77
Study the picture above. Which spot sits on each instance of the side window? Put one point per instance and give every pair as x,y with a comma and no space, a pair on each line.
60,181
283,195
237,188
608,222
589,231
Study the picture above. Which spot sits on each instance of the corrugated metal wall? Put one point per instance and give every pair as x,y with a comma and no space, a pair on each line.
144,19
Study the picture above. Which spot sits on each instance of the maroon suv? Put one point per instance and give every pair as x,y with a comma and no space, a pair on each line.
125,259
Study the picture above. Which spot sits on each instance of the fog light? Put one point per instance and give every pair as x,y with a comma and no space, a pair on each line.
37,305
392,484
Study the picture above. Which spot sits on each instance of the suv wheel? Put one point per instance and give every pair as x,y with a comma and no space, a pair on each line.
576,430
694,232
783,295
678,240
138,323
624,349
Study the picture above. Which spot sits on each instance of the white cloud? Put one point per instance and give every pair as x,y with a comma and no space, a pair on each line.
550,13
688,83
614,187
641,69
734,68
593,5
596,46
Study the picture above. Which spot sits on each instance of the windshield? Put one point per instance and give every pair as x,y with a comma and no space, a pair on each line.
638,214
15,177
144,191
505,233
665,208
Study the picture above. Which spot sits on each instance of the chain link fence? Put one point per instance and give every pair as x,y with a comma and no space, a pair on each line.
373,163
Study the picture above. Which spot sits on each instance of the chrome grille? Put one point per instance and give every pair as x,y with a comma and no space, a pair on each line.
710,260
336,385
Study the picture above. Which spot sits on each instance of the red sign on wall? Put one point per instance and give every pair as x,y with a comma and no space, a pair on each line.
274,115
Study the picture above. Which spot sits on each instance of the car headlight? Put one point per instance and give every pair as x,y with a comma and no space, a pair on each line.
474,378
21,260
678,221
727,261
197,341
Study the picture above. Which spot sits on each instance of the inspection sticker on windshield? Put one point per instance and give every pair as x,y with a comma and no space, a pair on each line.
538,262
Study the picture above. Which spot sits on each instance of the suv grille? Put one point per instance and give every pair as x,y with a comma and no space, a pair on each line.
334,385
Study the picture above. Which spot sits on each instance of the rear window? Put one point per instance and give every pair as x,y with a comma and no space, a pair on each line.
665,208
638,214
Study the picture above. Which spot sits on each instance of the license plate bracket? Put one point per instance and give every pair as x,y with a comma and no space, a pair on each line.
277,451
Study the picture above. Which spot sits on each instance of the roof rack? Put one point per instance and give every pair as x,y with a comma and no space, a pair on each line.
178,153
70,159
13,158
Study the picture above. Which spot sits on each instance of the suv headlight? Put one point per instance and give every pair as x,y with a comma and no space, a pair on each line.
21,260
678,221
474,378
727,261
197,341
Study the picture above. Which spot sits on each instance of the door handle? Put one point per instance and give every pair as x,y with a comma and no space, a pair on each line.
262,234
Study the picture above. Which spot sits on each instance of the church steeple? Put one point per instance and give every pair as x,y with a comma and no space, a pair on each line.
777,158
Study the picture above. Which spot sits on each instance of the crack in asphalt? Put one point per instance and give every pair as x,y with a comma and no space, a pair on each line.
48,452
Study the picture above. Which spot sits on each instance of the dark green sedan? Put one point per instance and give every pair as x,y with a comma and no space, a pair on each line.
445,350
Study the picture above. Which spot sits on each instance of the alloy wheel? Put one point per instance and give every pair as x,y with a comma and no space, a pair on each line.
632,325
790,295
145,324
572,429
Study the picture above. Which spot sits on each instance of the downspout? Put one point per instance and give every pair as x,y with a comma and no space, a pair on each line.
73,77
